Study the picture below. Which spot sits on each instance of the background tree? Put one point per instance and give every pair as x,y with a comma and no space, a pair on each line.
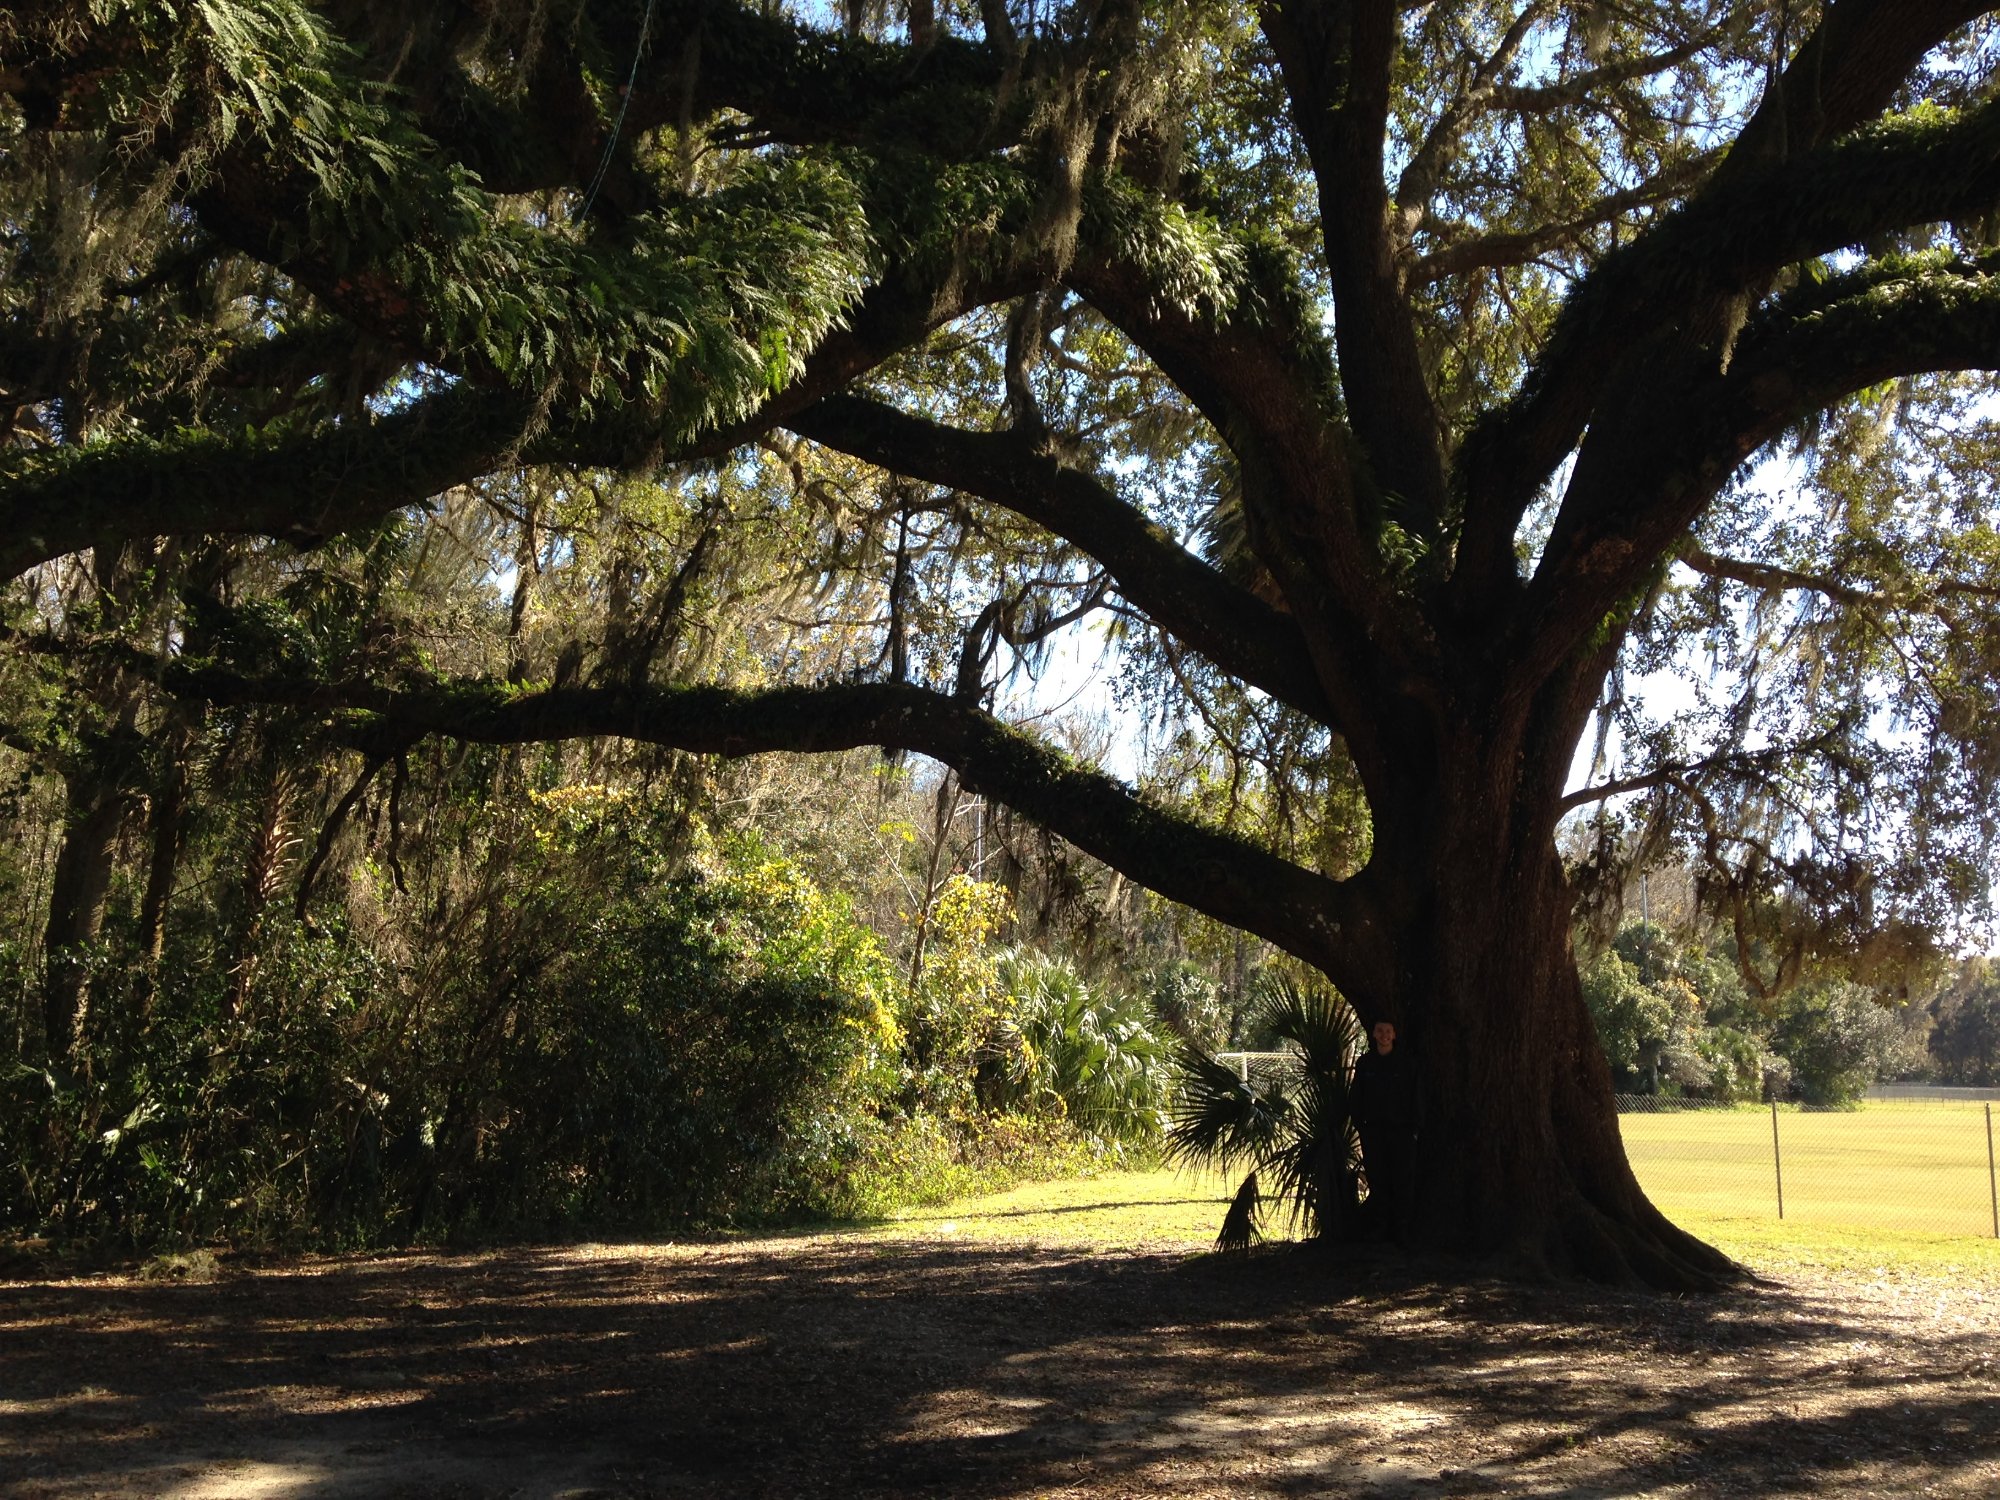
1965,1043
1675,1017
1024,317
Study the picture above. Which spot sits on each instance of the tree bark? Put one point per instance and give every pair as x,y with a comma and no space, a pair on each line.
1519,1158
169,828
97,809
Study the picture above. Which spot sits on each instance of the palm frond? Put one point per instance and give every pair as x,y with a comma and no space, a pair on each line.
1290,1173
1219,1120
1291,1121
1067,1044
1317,1019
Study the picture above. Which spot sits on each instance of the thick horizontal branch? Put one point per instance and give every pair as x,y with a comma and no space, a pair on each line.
739,73
549,128
1641,481
307,487
1312,916
804,86
1179,592
698,304
302,488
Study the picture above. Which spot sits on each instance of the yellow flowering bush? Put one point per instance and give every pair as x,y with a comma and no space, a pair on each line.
957,999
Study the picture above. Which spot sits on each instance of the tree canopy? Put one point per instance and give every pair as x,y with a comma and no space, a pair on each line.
1415,389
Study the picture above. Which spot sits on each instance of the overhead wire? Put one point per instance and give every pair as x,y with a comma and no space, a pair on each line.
618,125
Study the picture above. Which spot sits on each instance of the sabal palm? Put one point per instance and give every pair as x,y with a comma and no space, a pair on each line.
1290,1122
1088,1051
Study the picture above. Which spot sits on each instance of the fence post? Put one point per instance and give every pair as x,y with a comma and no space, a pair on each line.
1777,1161
1992,1180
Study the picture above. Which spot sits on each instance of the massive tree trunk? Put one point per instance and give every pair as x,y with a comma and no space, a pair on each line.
1520,1156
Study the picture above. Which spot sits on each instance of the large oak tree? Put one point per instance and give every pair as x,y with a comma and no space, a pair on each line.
1399,372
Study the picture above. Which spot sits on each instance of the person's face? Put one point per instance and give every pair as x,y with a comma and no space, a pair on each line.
1384,1033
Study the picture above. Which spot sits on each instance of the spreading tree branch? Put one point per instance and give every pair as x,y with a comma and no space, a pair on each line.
307,487
1685,777
1323,921
1337,57
1789,189
1580,87
1640,482
1769,577
1441,141
1260,373
300,488
1516,248
1178,592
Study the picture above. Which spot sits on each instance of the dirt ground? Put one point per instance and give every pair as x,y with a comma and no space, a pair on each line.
855,1365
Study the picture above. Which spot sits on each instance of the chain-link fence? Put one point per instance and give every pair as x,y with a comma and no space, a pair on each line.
1248,1065
1924,1162
1909,1157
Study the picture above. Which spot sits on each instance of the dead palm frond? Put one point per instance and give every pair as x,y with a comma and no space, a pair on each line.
1239,1225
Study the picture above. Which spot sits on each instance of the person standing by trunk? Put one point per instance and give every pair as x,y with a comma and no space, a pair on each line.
1384,1105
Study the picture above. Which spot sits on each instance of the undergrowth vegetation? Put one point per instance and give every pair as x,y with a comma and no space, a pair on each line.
582,1009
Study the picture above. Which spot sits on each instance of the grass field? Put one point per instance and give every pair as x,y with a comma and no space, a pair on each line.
1883,1194
1166,1210
1914,1166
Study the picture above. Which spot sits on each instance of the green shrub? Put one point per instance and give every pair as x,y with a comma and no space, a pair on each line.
1067,1049
705,1054
907,1161
1838,1039
607,1049
952,1008
1188,1006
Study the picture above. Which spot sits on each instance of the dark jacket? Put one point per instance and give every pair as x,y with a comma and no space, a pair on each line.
1384,1096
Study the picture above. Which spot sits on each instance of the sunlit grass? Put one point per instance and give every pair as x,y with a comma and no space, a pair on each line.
1781,1248
1896,1167
1160,1210
1177,1212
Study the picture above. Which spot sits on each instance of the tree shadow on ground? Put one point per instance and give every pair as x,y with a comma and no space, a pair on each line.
847,1366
